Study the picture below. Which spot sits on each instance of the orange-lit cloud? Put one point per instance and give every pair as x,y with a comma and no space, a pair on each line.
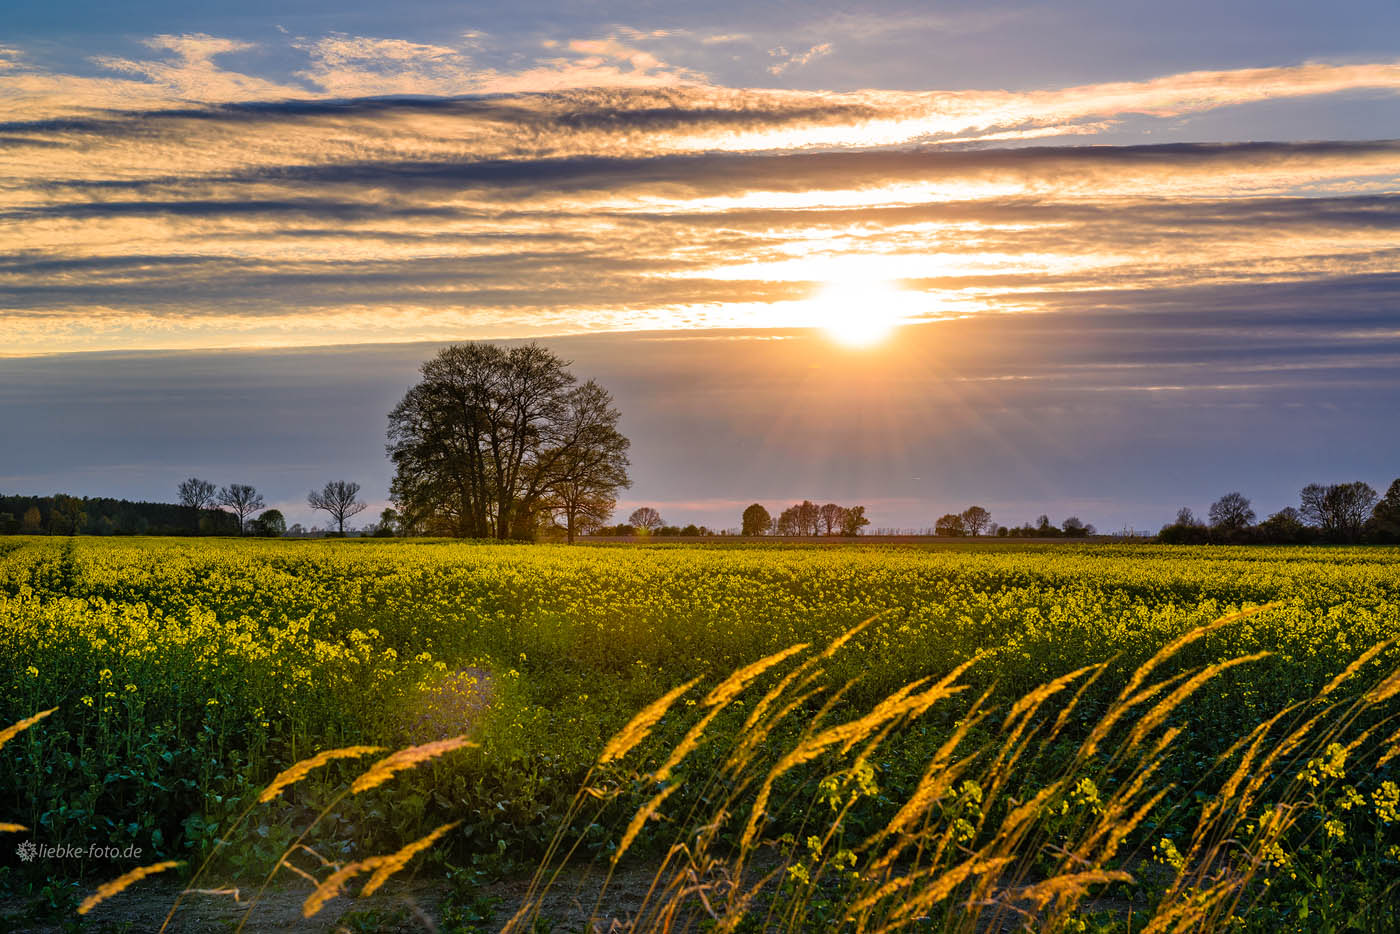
185,203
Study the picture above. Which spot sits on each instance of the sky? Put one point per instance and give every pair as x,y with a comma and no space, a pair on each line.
1101,259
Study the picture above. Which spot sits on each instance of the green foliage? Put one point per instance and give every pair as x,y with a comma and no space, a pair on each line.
188,673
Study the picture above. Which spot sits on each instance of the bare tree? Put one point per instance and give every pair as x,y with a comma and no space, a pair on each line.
243,500
339,498
196,495
1184,516
786,523
975,519
808,517
1231,511
830,516
645,519
1340,509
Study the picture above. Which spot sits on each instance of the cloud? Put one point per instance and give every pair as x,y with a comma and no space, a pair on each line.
208,209
790,60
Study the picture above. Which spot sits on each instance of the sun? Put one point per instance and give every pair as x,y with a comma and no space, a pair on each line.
860,313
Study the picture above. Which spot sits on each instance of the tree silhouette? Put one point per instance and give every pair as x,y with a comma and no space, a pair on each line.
339,498
756,520
243,500
950,525
975,519
591,465
1340,509
830,517
1231,511
197,495
645,520
481,442
853,520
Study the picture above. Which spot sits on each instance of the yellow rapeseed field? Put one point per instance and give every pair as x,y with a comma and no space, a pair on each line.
189,673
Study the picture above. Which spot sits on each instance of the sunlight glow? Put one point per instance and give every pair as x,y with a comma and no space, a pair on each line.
860,313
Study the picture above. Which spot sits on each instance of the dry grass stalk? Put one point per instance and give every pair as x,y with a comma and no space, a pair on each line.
303,768
122,882
10,732
1356,666
386,768
334,885
392,863
641,725
638,821
1156,715
1069,887
730,687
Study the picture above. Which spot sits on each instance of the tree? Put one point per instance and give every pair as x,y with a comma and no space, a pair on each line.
1185,517
830,517
67,515
591,465
338,498
32,522
787,522
853,520
1284,527
196,495
242,500
1339,510
950,525
1231,511
1385,518
478,443
1045,528
271,524
808,518
645,520
756,520
387,525
975,519
1074,527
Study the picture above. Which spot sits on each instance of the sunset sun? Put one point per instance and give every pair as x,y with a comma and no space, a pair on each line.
861,313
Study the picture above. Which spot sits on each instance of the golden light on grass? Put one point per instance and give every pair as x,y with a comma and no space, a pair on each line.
120,884
299,771
861,313
10,732
386,768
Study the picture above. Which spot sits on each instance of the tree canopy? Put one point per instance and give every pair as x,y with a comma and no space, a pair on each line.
492,439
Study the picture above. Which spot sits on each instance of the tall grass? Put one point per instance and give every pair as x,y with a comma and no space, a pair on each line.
778,837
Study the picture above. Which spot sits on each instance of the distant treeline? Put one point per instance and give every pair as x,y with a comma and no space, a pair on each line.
1339,513
62,514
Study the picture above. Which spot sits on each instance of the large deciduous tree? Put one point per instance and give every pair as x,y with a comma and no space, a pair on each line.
1385,518
340,499
480,443
950,525
242,500
645,519
197,495
853,520
975,519
1231,511
591,464
1339,509
756,520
